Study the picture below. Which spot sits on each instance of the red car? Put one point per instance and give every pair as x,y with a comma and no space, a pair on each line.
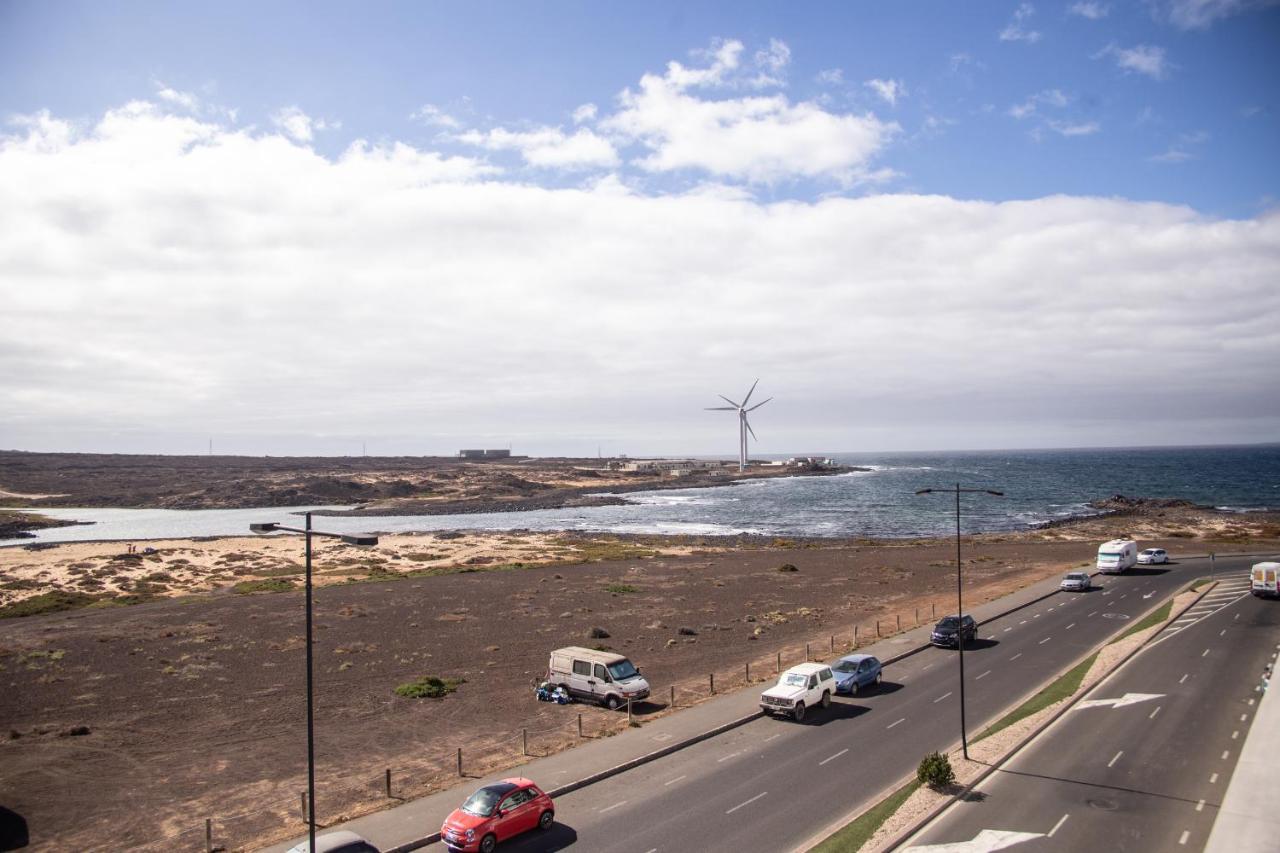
495,813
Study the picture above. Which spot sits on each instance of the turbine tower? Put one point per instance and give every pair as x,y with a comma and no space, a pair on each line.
744,426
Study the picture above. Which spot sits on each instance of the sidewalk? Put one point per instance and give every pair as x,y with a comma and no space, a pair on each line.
416,824
1247,821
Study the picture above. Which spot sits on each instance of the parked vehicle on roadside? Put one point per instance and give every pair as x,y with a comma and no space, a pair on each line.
799,689
1153,555
1262,579
951,630
341,841
496,813
854,672
1076,582
605,677
1117,555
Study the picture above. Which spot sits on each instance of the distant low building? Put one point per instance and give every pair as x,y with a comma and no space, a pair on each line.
502,453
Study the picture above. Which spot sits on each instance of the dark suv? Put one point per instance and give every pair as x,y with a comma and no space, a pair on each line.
950,629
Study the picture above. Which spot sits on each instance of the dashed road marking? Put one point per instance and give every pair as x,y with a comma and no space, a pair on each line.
727,757
1184,677
771,737
833,757
1023,622
1008,629
943,696
1205,653
1200,806
1235,734
612,807
1015,657
984,675
1045,640
1244,717
1058,825
1153,713
1184,837
1092,613
1225,753
675,780
1213,778
891,725
1069,627
747,803
1115,758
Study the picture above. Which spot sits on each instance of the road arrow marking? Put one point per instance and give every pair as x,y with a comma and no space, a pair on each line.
984,842
1126,699
1148,595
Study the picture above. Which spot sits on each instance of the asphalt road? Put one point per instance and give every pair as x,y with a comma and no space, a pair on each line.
1149,773
774,784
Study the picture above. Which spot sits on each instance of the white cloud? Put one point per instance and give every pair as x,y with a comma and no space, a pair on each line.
888,90
761,139
431,115
185,100
299,126
1066,128
830,77
584,113
1200,14
549,147
772,63
1015,29
1030,107
1185,147
1141,59
1091,10
167,278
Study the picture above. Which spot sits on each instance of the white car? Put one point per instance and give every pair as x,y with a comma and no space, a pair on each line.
798,688
1153,555
1076,582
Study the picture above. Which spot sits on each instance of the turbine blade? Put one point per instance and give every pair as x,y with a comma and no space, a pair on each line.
730,402
758,405
721,409
749,429
752,391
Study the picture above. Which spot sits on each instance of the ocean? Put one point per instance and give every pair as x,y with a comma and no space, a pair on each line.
1038,486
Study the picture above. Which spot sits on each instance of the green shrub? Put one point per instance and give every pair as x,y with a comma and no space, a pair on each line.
429,687
268,585
935,771
47,602
621,588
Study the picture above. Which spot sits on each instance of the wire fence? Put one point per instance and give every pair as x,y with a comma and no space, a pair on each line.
284,816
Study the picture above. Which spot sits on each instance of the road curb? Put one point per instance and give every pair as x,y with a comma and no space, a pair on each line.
911,831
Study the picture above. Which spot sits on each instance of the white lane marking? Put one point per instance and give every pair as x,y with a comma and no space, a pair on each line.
1059,824
1205,653
1091,614
1115,758
771,737
984,675
673,781
943,696
1200,806
891,725
992,637
1184,677
1072,625
1213,778
1045,640
923,668
1225,753
727,757
1185,835
1007,630
653,850
747,803
1035,616
833,757
1250,702
1156,711
1015,657
1235,734
1023,622
612,807
1244,717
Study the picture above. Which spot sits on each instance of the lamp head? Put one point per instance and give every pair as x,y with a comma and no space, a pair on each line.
362,539
924,491
269,527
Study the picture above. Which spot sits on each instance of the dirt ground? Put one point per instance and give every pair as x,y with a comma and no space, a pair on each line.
135,724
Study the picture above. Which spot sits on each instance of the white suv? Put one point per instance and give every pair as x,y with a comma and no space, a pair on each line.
798,688
1153,555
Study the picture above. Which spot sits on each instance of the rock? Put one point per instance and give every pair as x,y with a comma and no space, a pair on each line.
749,618
598,633
566,615
670,643
491,648
787,567
655,626
74,731
687,631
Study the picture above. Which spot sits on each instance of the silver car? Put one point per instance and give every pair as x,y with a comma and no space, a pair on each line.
1076,582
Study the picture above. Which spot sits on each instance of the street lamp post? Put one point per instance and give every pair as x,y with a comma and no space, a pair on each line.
964,736
307,532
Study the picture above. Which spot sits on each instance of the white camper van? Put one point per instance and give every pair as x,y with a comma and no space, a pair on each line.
604,677
1117,555
1263,579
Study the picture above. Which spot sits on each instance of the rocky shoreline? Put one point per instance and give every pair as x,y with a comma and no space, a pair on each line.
18,525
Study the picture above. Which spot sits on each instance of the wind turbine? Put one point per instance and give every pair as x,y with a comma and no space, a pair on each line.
744,426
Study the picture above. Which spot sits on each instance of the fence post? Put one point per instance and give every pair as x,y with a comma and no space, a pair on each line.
933,609
579,724
855,636
899,618
877,627
748,672
833,644
524,739
630,719
388,783
672,703
807,656
712,676
779,665
459,761
208,835
305,816
917,615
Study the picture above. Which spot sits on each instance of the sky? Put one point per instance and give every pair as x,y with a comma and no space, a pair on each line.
408,228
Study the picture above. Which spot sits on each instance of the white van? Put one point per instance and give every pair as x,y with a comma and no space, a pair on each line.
604,677
1117,555
1263,579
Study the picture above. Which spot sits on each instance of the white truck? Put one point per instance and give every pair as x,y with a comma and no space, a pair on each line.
1262,580
800,687
1117,555
604,677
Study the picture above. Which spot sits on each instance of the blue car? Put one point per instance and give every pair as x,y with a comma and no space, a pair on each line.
854,672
